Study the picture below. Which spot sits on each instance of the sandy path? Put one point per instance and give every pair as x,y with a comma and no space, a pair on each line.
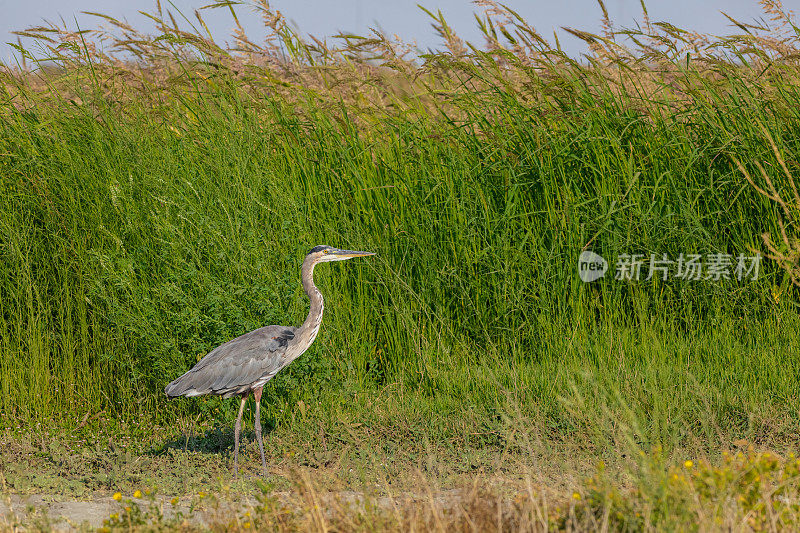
62,513
65,514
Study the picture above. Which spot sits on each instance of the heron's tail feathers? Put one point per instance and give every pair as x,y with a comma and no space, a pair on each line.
185,386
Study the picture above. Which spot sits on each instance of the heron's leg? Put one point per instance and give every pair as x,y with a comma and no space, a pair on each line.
257,394
237,428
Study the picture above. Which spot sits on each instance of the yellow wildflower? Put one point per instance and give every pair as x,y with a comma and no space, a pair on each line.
137,494
688,464
576,496
174,501
117,496
246,525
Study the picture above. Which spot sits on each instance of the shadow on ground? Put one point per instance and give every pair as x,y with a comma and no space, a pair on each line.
219,439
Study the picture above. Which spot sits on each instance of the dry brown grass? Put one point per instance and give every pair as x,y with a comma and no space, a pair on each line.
377,73
748,491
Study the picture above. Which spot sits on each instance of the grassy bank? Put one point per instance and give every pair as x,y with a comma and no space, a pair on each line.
152,210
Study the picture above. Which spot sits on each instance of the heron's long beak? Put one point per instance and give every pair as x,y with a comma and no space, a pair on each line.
349,254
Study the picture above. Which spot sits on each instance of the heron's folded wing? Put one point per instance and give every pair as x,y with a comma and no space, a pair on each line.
242,361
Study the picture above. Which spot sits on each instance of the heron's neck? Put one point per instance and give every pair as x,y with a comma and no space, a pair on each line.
314,318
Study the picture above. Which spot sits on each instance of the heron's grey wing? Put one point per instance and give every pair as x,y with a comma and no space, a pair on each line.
238,365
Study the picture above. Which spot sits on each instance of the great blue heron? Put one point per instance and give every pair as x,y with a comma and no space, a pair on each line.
244,364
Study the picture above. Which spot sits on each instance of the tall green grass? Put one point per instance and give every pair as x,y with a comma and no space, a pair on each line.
151,211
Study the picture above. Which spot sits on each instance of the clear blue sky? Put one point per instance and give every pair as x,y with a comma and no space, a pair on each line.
403,17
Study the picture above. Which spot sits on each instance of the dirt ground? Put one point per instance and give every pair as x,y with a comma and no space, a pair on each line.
50,482
61,513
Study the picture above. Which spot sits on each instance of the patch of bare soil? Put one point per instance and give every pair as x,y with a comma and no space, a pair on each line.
60,513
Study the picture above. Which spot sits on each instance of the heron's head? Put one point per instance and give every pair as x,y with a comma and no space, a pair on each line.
323,253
